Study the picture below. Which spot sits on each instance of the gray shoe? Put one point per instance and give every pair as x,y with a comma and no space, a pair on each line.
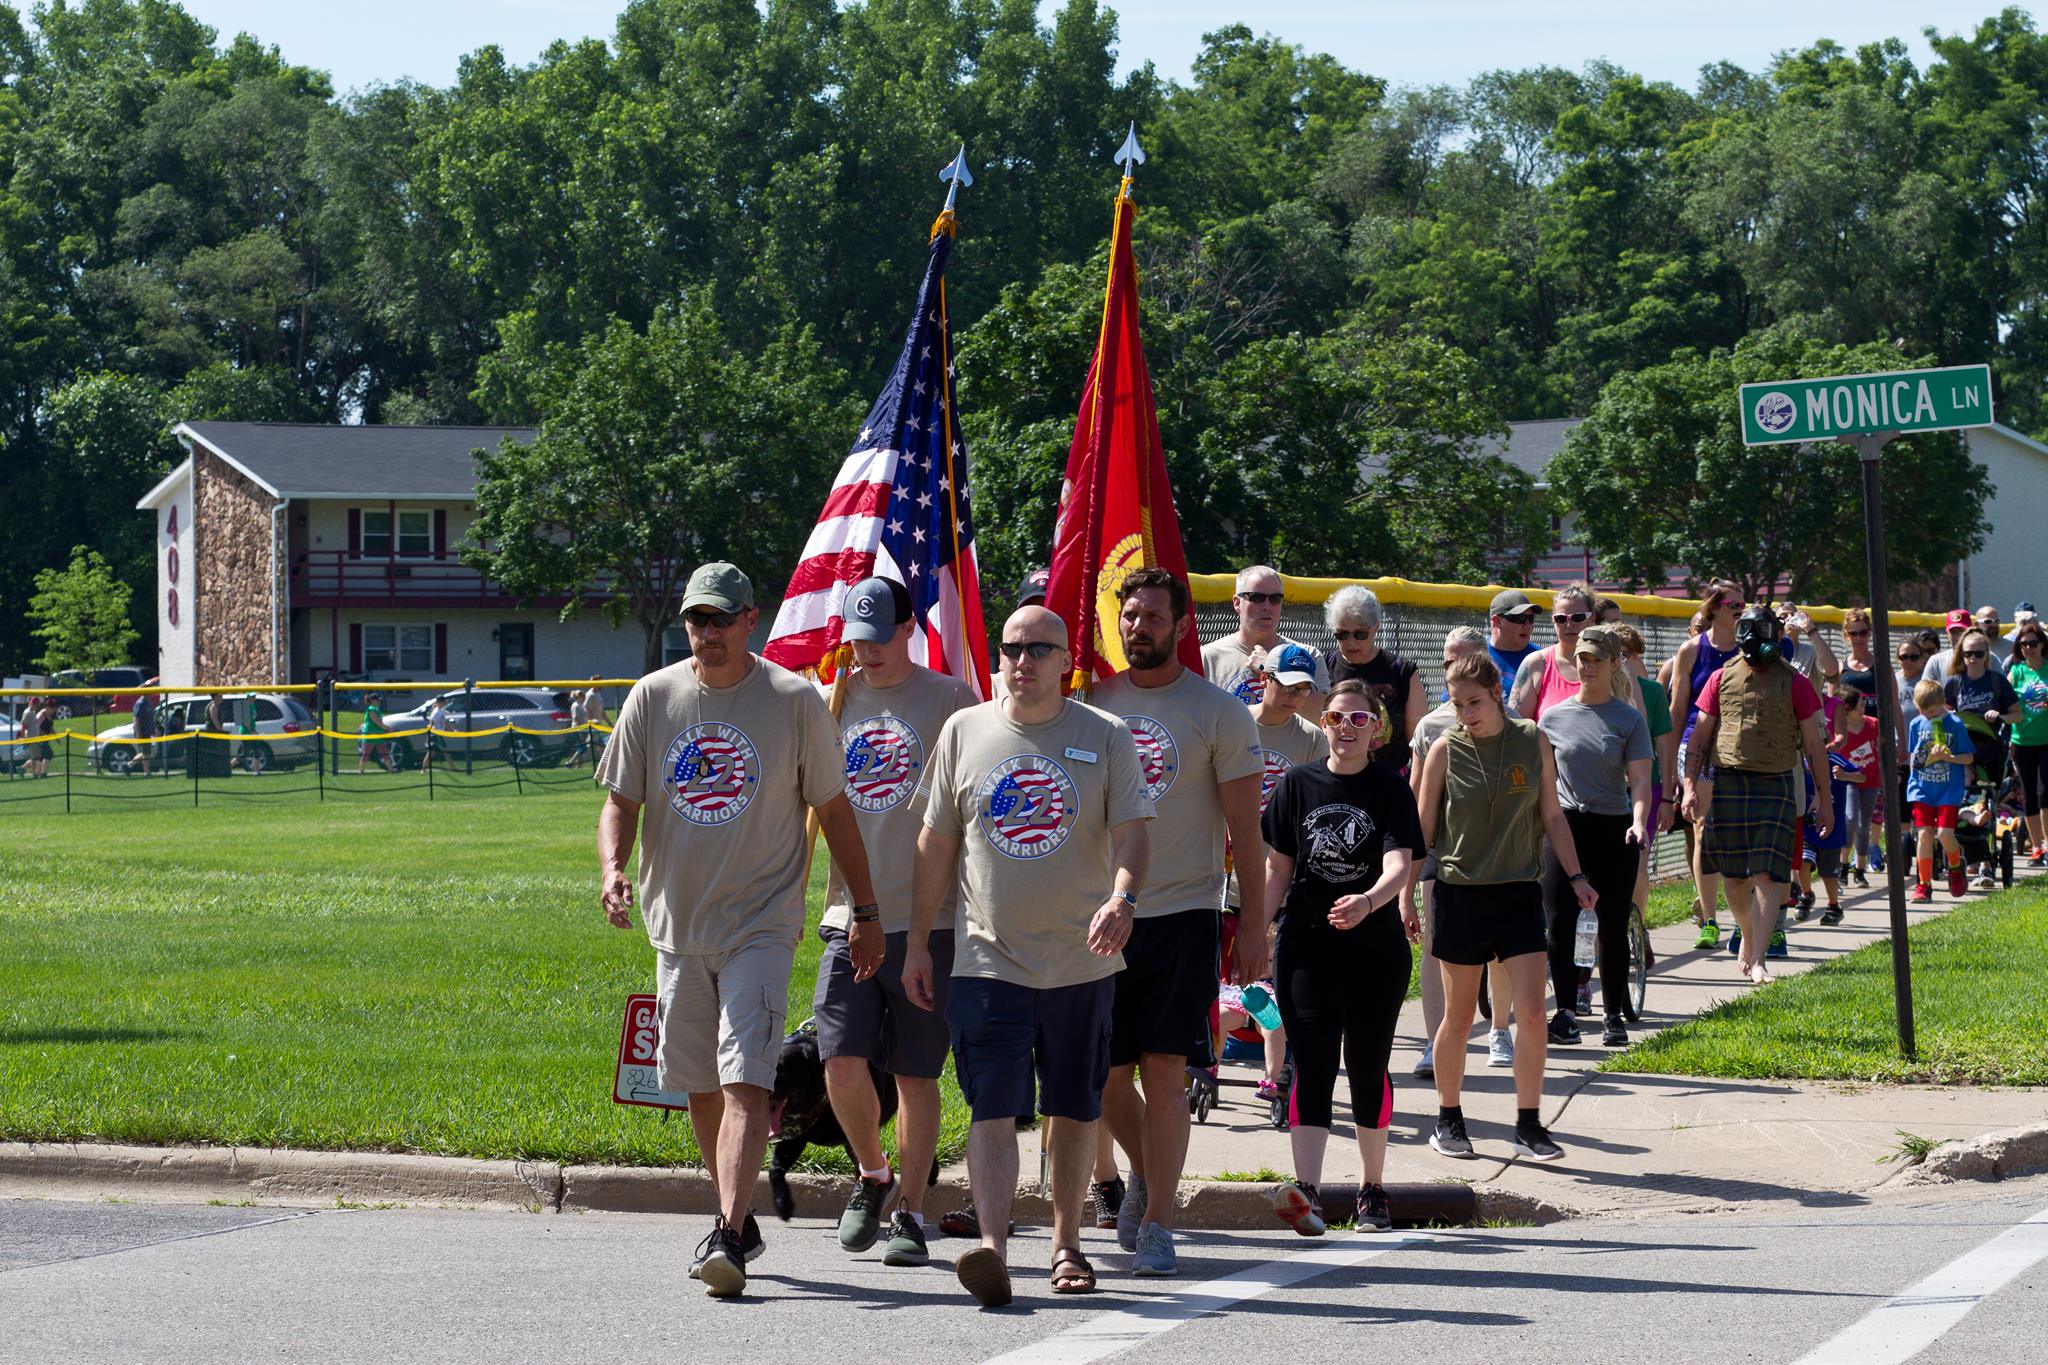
1131,1215
861,1224
1425,1067
1155,1258
1500,1048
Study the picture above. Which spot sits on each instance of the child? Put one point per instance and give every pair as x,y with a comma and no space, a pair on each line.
1941,754
1824,852
1855,739
1974,830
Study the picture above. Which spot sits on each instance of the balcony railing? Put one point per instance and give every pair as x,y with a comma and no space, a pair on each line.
336,578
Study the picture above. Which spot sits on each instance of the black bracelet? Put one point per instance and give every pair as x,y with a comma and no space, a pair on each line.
1579,877
866,914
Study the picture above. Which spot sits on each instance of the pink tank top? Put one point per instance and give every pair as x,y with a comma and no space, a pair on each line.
1553,689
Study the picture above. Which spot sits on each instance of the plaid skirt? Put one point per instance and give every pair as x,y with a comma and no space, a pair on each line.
1750,825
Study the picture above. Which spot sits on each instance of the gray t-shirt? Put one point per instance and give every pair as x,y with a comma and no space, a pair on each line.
1593,746
1430,729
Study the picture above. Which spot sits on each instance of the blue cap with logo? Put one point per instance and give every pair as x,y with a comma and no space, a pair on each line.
1291,665
874,607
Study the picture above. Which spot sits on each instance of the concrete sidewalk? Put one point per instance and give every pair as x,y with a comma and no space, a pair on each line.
1642,1142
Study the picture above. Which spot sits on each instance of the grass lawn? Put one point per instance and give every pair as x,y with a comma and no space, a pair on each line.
354,974
1980,1015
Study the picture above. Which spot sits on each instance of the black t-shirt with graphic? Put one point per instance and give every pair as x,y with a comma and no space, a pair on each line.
1338,828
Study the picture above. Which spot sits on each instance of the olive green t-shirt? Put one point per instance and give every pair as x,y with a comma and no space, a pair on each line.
886,735
1191,735
1281,746
725,777
1227,663
1489,829
1033,805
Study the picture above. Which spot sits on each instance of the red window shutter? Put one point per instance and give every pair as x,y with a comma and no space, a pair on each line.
355,632
355,542
441,648
440,533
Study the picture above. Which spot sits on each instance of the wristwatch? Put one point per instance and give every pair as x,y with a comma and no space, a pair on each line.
1127,898
866,914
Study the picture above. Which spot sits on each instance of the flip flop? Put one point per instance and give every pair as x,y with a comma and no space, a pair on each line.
983,1274
1067,1281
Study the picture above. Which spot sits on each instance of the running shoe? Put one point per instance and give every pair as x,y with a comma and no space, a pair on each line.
1500,1047
1375,1212
1532,1140
1922,892
906,1241
1832,915
2038,858
721,1265
1958,886
1986,881
1734,943
1710,935
1615,1034
1856,875
1450,1139
1425,1069
861,1224
1584,1003
1564,1030
1876,858
1805,905
1777,947
1297,1205
1155,1259
1130,1215
1105,1197
751,1246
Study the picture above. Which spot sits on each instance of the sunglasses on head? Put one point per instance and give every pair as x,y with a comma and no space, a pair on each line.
1037,649
1570,618
1263,598
1362,633
1357,720
711,620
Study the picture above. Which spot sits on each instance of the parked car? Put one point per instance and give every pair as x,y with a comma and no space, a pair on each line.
529,708
286,734
12,756
119,680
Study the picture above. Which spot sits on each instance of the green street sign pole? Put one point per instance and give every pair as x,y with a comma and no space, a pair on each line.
1867,411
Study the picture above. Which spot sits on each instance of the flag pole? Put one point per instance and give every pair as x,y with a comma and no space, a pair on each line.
955,174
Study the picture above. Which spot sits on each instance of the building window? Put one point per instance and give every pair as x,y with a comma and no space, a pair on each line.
415,534
398,649
675,645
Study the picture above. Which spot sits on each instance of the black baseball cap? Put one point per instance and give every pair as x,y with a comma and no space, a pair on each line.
1035,587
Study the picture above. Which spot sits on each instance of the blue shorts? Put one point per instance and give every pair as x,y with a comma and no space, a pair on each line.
1004,1034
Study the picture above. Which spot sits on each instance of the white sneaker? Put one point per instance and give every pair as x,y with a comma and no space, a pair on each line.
1986,882
1500,1048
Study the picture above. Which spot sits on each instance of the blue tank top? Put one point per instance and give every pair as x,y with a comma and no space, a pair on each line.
1706,662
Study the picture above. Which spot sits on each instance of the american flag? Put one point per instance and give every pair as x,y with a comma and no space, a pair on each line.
899,509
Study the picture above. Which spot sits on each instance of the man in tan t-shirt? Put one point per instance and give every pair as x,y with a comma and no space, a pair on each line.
1044,798
1199,752
1233,662
890,718
714,761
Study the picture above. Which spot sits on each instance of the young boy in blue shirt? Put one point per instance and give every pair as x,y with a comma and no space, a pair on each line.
1941,755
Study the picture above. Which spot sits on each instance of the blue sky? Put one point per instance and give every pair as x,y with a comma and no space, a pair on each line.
1409,43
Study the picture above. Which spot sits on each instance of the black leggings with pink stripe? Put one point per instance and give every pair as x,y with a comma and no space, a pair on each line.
1340,994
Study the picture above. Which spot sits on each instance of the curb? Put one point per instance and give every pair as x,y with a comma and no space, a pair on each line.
1992,1156
285,1176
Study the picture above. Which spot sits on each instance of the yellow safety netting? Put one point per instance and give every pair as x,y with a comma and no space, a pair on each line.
273,736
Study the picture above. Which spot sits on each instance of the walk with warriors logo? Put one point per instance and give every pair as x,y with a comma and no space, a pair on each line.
1027,806
1158,756
1272,765
713,769
884,759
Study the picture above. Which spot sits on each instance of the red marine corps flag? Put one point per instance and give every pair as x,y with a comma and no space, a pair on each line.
1116,507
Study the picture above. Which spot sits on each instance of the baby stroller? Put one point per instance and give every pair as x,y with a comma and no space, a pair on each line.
1244,1043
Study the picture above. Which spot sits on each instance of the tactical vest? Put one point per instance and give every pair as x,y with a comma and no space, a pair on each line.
1757,731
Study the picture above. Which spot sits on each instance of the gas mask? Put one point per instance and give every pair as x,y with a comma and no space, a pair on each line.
1759,636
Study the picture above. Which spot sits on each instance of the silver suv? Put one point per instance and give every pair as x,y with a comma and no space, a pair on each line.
487,708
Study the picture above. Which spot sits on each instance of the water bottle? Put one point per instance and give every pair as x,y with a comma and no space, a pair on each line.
1258,1003
1586,946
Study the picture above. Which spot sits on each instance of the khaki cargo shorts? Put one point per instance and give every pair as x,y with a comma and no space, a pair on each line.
722,1015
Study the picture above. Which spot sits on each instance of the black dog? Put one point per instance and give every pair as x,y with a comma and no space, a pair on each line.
800,1113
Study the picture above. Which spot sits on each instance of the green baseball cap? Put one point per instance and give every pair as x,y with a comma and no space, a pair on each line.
720,586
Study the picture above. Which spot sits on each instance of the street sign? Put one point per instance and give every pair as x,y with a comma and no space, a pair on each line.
1859,404
638,1079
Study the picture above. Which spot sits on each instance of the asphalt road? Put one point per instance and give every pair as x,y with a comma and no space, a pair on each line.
117,1281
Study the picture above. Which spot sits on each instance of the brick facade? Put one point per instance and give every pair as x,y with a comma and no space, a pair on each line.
236,585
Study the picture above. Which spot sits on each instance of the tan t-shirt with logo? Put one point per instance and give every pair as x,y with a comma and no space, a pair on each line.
1281,746
1227,663
1034,805
1191,735
886,735
725,776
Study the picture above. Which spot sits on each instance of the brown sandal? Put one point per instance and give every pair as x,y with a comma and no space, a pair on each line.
1066,1280
982,1273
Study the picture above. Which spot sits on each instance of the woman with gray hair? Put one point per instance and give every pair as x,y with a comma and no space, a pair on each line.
1353,615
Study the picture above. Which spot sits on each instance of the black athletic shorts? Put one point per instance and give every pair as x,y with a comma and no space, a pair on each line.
1172,966
1470,926
876,1018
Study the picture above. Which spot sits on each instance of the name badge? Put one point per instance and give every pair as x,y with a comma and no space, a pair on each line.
1082,755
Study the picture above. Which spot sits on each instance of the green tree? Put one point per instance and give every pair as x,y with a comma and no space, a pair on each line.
658,450
1658,478
81,614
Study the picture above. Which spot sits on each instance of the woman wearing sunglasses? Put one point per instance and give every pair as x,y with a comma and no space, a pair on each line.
1985,700
2029,678
1340,837
1697,660
1353,615
1550,675
1488,800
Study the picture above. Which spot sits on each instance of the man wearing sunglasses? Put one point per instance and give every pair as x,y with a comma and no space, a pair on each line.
1510,621
1037,811
1234,662
1199,751
713,763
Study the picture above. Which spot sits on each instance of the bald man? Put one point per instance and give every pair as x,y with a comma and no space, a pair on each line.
1037,813
1236,662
